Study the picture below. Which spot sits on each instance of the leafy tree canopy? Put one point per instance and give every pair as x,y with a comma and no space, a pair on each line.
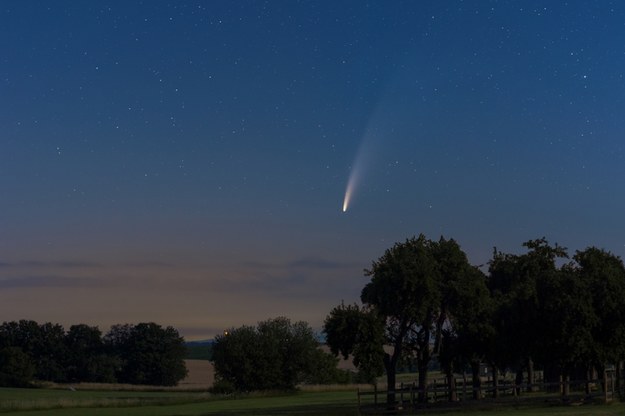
274,355
150,354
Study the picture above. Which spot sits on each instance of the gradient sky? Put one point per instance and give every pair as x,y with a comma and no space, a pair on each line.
185,162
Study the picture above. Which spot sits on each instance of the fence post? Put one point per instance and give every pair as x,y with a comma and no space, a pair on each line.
605,384
612,376
375,395
464,385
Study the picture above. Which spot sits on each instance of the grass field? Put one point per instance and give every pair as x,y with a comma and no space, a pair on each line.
28,402
51,402
20,400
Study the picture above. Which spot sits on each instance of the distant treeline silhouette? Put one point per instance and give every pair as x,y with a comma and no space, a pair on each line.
145,353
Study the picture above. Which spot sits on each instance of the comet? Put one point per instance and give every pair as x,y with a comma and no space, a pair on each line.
352,182
380,124
348,196
357,171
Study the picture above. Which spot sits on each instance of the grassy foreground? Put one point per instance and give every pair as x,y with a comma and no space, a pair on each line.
40,402
48,402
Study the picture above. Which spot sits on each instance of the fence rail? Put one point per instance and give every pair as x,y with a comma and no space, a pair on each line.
407,395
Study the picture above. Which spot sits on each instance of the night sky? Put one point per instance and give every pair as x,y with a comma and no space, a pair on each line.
186,162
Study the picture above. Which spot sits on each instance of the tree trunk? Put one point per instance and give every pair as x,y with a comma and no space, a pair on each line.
566,388
390,365
530,375
495,382
438,336
600,372
619,376
551,374
423,359
477,382
390,381
423,379
451,386
518,381
589,378
604,385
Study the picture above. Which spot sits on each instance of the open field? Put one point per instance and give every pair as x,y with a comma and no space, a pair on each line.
201,375
50,402
190,398
13,400
27,402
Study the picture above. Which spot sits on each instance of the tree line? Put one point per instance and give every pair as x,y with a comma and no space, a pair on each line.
145,353
537,310
424,301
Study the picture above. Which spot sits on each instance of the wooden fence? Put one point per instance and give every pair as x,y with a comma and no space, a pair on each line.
436,391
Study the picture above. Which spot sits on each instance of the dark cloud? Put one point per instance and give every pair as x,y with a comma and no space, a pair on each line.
70,264
51,264
317,263
149,264
290,280
44,281
310,263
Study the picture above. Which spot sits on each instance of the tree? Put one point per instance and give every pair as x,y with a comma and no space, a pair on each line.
404,291
234,356
604,274
470,334
24,334
274,355
16,368
141,354
463,314
149,354
564,332
514,282
351,330
87,360
51,353
411,300
44,344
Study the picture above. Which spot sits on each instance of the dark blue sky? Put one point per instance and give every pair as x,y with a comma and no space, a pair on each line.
186,162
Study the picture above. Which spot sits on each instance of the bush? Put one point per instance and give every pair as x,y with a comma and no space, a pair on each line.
275,355
222,387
